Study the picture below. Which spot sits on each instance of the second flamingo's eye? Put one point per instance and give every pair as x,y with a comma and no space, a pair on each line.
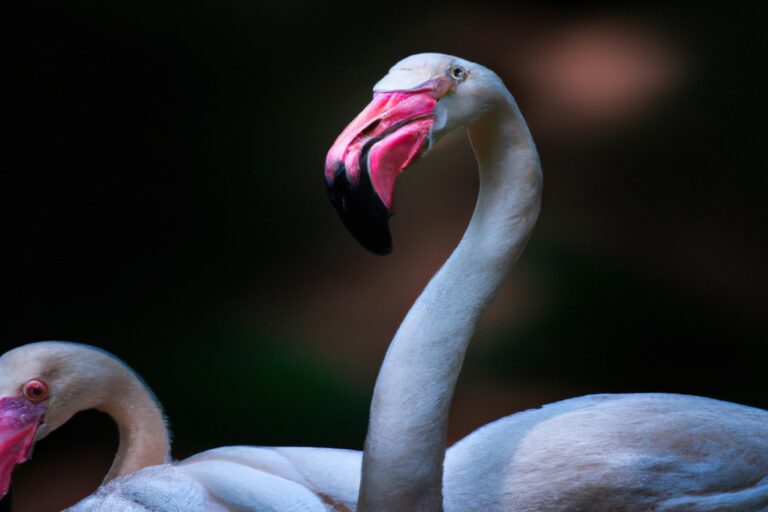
35,390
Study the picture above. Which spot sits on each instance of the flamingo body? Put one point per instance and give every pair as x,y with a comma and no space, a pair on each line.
615,453
222,480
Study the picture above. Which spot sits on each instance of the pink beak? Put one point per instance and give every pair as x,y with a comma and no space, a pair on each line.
363,163
19,420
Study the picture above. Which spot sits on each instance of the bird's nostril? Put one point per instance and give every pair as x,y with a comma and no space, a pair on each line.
370,128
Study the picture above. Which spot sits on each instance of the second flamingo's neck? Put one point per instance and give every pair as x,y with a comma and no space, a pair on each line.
405,446
144,437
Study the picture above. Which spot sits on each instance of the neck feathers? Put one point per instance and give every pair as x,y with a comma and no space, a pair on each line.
405,446
144,436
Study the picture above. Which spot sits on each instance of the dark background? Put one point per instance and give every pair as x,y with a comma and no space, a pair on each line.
162,199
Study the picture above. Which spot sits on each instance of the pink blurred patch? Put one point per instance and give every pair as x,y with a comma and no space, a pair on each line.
598,74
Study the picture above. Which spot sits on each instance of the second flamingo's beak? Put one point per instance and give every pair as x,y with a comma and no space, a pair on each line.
19,420
363,163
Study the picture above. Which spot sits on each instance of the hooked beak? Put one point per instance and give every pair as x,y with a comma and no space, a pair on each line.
19,420
381,142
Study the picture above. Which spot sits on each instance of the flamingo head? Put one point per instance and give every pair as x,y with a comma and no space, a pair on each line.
421,98
41,386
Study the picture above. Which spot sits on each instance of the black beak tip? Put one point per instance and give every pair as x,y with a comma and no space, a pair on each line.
380,245
362,211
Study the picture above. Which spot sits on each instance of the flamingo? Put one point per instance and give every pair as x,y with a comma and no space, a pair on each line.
617,453
44,384
640,452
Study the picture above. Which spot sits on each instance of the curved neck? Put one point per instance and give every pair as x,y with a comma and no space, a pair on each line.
144,437
405,446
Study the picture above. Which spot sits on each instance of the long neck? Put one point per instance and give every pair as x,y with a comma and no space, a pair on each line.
144,437
405,446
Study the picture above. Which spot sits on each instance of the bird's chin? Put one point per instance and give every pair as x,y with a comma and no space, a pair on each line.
369,155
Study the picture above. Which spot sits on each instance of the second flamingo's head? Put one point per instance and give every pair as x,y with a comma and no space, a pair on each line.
42,385
421,98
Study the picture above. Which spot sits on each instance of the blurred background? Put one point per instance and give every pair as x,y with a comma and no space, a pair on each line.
163,199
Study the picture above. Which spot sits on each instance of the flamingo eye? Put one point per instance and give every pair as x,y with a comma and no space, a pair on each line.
35,390
458,73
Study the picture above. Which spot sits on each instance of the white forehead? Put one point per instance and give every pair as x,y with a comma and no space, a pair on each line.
46,359
28,361
415,70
